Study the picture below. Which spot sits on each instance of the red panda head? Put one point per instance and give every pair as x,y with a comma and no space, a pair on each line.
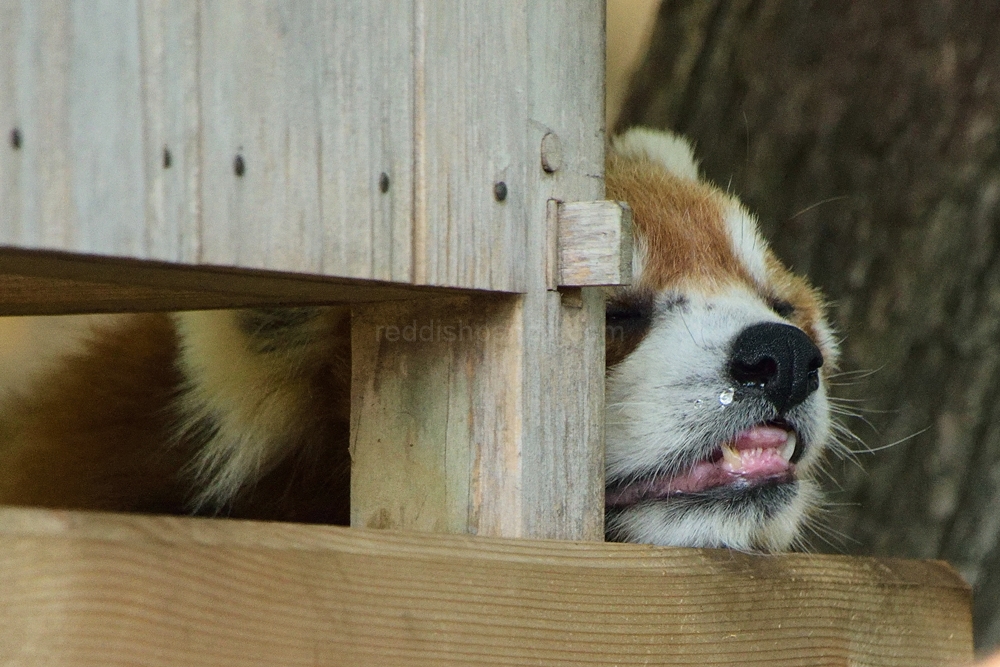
718,358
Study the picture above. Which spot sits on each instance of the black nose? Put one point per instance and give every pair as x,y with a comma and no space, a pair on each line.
778,361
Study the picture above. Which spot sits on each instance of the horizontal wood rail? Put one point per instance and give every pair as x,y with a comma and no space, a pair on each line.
55,283
99,589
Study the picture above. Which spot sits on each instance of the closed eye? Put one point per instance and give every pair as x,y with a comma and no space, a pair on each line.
628,318
629,312
781,307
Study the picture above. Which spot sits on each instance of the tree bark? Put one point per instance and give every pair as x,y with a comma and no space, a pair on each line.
865,135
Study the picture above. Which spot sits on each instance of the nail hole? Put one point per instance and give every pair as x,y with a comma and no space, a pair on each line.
168,159
383,182
15,138
239,166
500,190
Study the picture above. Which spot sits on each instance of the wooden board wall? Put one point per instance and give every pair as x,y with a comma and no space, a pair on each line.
332,138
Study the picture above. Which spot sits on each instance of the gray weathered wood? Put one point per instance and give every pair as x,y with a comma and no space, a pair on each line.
315,99
470,78
171,125
563,450
436,415
371,141
515,444
72,87
595,243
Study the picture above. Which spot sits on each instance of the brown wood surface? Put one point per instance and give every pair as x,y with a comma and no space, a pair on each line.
48,283
94,589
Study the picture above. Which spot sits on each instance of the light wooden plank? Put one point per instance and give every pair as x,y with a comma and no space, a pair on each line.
91,109
89,589
38,179
595,243
315,99
11,120
172,129
470,116
504,440
366,107
562,452
436,416
260,68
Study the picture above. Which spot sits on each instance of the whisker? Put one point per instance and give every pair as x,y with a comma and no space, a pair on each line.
872,450
858,374
819,203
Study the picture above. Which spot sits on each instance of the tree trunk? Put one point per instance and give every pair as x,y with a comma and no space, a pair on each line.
865,135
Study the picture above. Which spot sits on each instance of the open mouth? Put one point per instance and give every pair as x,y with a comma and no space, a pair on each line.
762,454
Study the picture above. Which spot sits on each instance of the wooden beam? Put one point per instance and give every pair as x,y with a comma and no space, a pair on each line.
51,283
82,589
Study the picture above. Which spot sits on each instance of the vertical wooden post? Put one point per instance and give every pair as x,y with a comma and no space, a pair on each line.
502,434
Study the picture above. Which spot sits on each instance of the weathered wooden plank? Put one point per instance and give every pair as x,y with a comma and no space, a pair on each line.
134,117
260,74
436,416
562,452
172,129
595,243
314,98
366,107
89,589
474,436
471,152
331,138
50,190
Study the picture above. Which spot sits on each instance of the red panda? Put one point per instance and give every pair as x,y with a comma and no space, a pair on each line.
717,414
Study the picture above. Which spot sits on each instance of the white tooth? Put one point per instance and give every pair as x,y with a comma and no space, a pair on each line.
789,447
732,457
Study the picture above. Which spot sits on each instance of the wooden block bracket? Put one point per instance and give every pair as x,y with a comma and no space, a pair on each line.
593,245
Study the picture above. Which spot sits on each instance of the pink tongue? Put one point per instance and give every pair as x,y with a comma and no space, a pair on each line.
760,458
761,437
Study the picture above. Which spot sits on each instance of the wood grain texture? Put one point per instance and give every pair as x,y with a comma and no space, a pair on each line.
436,416
370,141
89,589
315,98
595,243
504,436
172,135
563,355
471,111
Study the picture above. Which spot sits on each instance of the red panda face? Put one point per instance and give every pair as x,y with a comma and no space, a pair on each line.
718,357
